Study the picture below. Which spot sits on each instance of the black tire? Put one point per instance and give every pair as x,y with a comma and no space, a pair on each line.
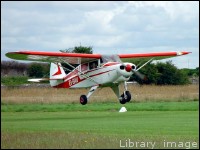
83,99
127,99
128,94
122,101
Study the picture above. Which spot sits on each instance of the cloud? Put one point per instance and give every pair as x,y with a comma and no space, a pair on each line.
110,27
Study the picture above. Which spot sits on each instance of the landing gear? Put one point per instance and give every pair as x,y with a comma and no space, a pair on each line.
125,97
83,99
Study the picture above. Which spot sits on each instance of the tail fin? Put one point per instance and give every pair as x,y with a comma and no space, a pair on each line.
57,74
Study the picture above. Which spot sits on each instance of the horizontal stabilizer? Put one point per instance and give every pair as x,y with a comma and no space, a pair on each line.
43,79
38,80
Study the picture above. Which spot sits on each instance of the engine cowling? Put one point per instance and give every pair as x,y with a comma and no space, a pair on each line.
125,69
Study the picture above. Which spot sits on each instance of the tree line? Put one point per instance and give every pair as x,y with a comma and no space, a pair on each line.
166,74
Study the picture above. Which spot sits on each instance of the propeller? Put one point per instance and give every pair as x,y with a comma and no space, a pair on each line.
137,73
140,75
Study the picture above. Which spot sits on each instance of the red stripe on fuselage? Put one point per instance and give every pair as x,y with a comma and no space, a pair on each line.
75,80
110,64
73,73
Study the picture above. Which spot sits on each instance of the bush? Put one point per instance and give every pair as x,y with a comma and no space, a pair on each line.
163,74
35,70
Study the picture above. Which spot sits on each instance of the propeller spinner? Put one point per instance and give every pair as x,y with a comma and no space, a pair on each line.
130,68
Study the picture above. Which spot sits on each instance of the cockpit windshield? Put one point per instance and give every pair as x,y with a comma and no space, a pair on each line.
110,58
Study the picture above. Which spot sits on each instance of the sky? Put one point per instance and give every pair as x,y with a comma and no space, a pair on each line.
110,27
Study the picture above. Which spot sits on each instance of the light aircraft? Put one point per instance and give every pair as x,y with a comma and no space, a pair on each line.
93,70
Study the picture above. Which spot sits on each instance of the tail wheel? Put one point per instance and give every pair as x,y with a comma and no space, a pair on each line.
126,98
83,99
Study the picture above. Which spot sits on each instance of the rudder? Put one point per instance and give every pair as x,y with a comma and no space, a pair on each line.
57,74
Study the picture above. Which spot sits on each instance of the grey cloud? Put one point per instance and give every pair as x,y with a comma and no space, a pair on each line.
112,26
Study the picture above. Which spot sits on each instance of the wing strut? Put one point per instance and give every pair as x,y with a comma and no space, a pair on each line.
137,73
145,64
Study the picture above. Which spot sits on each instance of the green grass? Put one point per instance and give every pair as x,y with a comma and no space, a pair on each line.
56,129
14,80
98,125
99,106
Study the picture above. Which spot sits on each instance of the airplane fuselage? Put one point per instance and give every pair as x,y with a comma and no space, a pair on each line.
102,76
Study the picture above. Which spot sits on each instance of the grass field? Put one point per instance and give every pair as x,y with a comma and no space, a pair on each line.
165,121
74,127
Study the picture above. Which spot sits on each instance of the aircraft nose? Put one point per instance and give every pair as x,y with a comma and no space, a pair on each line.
128,67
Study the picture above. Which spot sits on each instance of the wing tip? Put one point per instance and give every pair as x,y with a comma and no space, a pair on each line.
183,53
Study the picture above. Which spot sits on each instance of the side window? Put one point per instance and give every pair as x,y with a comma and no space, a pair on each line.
84,67
93,65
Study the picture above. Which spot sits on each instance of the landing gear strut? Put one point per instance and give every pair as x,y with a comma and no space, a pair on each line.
126,95
84,98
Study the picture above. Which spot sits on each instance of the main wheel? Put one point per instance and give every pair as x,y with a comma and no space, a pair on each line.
126,98
122,100
83,99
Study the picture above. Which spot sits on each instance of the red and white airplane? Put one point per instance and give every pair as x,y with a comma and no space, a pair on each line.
93,70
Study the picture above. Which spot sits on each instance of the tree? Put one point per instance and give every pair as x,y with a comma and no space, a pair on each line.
151,73
76,49
36,70
162,74
181,78
197,71
166,71
82,49
79,49
169,74
191,72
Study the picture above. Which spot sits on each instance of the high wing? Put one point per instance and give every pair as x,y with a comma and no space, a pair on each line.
78,58
144,57
72,58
